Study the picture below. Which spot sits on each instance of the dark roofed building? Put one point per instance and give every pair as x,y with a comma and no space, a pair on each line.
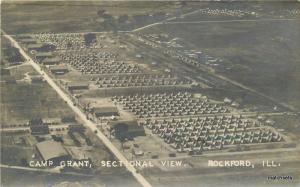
36,79
77,86
72,123
52,151
127,129
105,111
75,126
37,127
68,118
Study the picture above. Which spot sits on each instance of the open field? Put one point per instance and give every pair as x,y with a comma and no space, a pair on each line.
37,100
290,125
118,179
250,52
240,10
82,16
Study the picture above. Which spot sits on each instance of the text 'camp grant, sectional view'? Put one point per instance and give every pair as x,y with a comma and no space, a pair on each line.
150,93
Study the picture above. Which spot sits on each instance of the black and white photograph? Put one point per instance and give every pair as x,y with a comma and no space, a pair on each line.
145,93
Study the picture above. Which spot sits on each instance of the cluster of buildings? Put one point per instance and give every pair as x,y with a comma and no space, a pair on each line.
88,55
209,133
140,80
34,44
171,52
75,41
88,63
51,135
226,12
294,12
67,41
168,105
175,114
40,126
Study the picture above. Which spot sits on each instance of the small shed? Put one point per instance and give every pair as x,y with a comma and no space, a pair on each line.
36,79
38,127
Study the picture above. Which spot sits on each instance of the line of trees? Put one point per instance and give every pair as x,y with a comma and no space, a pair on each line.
13,54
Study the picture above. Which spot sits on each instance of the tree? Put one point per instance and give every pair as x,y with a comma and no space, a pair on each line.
100,12
107,16
89,38
23,162
13,54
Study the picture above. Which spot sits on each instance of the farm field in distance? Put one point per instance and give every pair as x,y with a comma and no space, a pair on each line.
119,15
240,46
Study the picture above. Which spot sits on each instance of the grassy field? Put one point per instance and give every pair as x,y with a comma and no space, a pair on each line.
119,177
248,10
23,101
36,17
262,55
